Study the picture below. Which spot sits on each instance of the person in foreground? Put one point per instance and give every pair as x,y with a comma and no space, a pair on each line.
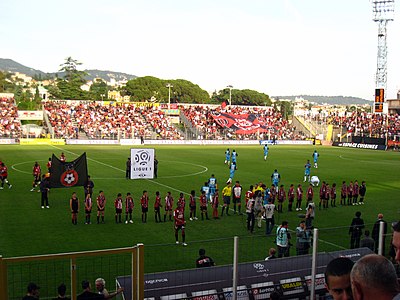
204,260
374,277
32,292
88,295
337,278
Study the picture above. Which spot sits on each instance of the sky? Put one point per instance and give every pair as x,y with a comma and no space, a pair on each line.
278,47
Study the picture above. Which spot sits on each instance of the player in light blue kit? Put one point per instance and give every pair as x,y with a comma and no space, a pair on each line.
227,156
232,170
275,178
234,156
266,149
212,185
307,171
315,156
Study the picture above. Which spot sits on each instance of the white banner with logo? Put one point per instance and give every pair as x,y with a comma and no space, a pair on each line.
142,163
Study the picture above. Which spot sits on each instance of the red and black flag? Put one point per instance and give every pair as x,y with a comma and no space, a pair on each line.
241,124
68,174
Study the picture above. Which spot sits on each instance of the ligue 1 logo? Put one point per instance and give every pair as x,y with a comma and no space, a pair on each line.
69,178
142,157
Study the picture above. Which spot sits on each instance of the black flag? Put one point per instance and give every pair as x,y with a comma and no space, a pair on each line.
68,174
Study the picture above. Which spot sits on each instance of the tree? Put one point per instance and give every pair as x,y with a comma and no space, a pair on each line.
241,97
148,87
70,85
98,90
6,83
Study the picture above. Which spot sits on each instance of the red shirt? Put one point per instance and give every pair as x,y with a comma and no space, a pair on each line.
101,201
203,200
299,193
249,195
118,203
3,171
290,193
157,203
144,201
192,201
281,195
310,193
179,216
129,203
169,202
36,170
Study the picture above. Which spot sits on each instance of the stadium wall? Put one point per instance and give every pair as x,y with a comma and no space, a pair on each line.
131,142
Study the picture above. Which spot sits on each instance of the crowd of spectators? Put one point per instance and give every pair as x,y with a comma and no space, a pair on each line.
367,124
10,125
95,120
100,121
201,118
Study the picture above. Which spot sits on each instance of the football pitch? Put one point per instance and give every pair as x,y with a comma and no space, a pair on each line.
26,229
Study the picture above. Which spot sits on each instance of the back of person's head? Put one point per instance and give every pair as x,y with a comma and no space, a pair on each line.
366,232
284,223
62,289
374,274
339,266
85,284
272,251
202,252
358,214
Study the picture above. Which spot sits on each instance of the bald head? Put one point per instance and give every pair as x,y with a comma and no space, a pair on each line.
374,275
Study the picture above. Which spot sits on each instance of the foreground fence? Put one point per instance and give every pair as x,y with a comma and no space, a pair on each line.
240,267
49,271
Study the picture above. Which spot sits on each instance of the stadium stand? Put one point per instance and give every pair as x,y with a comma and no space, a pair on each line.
10,125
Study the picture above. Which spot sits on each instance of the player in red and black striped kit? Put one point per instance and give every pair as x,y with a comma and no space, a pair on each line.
179,224
310,195
36,172
118,208
290,197
192,205
281,198
343,193
299,197
144,202
203,205
169,202
157,206
4,175
129,205
101,206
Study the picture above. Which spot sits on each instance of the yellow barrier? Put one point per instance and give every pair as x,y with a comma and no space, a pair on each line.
76,262
42,142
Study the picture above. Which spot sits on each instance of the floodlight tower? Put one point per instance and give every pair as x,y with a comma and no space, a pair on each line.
383,12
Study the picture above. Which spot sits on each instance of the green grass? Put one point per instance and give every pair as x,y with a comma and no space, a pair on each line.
26,229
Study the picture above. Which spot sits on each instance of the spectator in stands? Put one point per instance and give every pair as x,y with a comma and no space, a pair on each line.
204,261
367,241
374,277
88,295
62,289
274,296
271,254
32,292
337,278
